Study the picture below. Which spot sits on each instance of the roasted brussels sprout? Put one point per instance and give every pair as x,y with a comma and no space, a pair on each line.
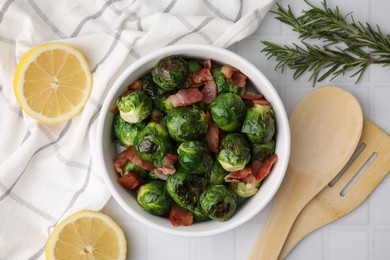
217,174
154,198
263,151
185,189
234,152
200,215
134,107
132,167
186,123
244,190
162,103
224,86
219,202
228,111
125,132
195,157
170,73
150,88
259,124
152,142
194,65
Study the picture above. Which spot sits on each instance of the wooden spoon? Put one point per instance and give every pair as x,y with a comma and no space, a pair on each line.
358,179
325,129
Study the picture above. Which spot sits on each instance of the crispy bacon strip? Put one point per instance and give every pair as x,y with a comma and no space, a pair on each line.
199,78
131,181
156,116
266,167
238,175
180,216
234,75
251,95
131,155
210,91
207,64
186,97
168,166
136,85
120,162
262,102
212,135
253,173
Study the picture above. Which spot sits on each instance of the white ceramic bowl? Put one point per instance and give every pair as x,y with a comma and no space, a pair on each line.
105,153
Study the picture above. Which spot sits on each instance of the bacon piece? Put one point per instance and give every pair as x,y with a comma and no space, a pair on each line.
131,181
239,175
234,75
114,109
156,116
168,166
266,167
209,91
249,179
120,162
212,135
186,97
207,64
180,216
251,95
130,155
262,102
136,85
199,78
256,165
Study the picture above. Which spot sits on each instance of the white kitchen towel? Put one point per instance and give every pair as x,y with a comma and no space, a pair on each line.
46,171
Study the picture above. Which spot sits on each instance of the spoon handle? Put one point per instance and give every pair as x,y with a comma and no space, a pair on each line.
285,210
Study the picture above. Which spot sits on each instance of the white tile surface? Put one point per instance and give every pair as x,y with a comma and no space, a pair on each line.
364,234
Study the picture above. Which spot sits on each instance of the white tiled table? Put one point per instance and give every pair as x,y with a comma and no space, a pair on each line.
363,234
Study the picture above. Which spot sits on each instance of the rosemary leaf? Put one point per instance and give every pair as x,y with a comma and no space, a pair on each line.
347,45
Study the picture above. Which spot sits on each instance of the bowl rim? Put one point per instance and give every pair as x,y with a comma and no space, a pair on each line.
282,122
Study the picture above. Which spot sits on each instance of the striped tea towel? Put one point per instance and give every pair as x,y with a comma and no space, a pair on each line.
46,171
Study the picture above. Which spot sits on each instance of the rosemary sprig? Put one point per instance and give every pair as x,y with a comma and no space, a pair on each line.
347,45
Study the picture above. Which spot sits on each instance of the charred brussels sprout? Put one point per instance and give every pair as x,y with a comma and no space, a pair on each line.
224,86
243,190
259,124
150,88
154,198
218,202
217,174
185,189
187,123
170,73
134,107
126,132
195,157
263,151
234,152
228,111
152,142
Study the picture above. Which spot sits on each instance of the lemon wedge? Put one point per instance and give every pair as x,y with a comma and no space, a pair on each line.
87,235
52,82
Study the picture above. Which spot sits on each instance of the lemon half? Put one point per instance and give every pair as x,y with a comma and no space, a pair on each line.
52,82
87,235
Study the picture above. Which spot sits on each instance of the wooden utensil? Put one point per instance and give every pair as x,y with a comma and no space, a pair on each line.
367,168
325,129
